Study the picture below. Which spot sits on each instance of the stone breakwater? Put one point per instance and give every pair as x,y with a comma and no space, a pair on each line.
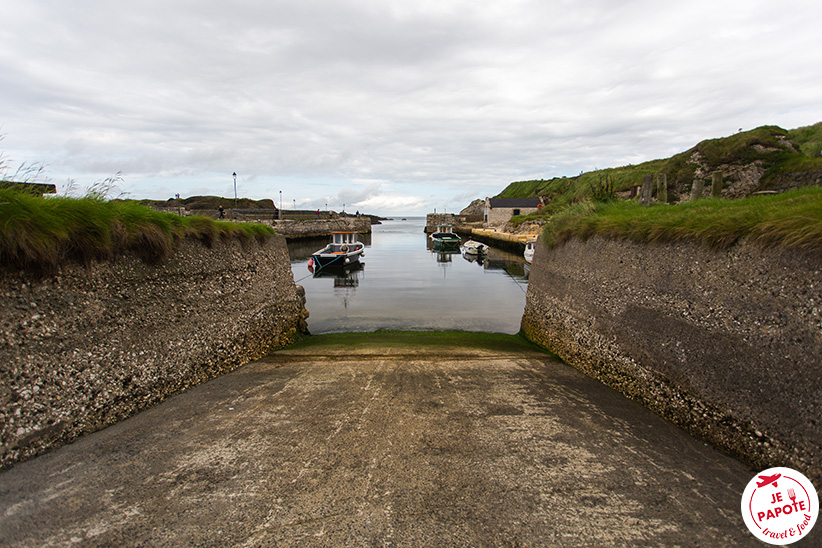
87,347
307,229
726,344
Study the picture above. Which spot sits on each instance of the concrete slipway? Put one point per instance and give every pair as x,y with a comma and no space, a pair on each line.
398,440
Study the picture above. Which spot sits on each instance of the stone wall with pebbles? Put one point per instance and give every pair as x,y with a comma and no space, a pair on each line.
83,348
727,344
321,228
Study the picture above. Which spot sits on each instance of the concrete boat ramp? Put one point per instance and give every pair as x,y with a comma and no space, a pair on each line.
392,439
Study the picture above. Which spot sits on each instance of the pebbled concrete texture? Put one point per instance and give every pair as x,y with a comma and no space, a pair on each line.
408,444
725,343
91,345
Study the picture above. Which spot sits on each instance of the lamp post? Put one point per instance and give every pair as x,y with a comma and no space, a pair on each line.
235,189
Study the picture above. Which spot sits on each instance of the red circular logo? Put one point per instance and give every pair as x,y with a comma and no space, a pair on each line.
780,506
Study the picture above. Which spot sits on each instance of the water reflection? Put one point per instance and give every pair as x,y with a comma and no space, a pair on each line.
446,256
410,285
345,279
500,259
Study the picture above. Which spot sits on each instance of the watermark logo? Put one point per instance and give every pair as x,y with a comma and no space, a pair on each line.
780,506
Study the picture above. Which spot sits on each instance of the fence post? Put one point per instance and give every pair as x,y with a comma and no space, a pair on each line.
716,184
696,190
647,187
662,188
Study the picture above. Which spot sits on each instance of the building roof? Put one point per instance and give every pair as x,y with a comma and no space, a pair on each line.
513,202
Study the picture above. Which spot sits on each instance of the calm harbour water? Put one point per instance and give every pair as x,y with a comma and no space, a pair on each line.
402,284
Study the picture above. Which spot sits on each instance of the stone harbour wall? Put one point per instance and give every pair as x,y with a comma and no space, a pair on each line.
296,230
84,348
727,344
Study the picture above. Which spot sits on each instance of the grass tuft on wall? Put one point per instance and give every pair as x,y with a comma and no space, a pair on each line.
791,220
42,233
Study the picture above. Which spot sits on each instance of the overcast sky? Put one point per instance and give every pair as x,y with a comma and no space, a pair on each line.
389,107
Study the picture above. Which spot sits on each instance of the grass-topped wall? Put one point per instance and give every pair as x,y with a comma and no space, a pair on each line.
41,233
792,220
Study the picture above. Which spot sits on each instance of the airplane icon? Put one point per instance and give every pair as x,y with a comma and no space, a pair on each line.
767,480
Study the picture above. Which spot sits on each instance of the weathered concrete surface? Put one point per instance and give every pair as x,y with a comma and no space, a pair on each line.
724,343
88,346
402,445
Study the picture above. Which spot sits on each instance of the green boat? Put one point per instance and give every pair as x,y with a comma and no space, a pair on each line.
444,238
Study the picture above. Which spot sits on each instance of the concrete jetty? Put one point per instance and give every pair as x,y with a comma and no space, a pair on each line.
505,240
391,439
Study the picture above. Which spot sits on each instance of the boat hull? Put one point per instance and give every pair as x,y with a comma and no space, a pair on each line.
336,259
446,243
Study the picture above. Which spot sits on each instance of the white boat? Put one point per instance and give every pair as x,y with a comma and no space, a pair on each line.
472,247
530,248
343,250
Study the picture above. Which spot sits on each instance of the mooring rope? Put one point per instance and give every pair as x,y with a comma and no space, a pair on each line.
489,261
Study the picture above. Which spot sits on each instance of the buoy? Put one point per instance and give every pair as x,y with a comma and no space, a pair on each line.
310,262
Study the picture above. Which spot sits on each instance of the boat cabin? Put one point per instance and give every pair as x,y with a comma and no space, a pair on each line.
340,238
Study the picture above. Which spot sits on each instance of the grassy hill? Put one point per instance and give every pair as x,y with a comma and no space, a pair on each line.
210,202
766,158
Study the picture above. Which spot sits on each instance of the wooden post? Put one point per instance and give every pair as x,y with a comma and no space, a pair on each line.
696,190
662,188
716,184
647,188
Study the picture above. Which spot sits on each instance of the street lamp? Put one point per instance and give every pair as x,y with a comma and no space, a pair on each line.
235,188
281,199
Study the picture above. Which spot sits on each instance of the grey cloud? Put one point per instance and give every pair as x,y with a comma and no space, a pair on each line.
455,94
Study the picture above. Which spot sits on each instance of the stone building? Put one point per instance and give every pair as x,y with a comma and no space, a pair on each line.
499,211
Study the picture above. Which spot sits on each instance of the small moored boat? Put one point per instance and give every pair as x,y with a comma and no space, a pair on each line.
475,248
444,238
343,250
530,248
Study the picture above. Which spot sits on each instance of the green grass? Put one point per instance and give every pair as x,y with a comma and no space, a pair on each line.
42,233
791,220
394,339
561,191
808,139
